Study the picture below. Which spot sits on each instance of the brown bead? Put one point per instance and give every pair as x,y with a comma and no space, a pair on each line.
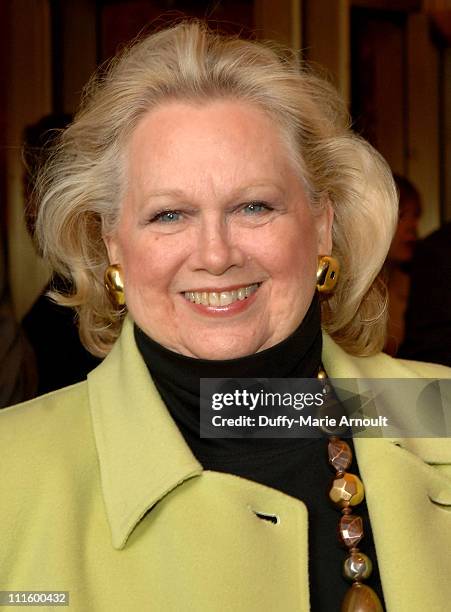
347,488
350,529
361,598
357,566
340,454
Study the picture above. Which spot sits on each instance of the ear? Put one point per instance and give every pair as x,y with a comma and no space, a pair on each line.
113,248
324,222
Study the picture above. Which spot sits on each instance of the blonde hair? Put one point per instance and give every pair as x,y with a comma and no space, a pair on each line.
81,187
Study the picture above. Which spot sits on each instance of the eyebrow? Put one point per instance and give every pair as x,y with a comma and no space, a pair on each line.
161,193
239,192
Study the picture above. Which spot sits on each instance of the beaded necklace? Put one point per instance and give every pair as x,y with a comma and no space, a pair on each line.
346,492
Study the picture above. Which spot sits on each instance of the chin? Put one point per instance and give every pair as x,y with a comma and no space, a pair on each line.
221,354
220,351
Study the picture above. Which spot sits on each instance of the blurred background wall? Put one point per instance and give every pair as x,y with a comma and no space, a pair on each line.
391,60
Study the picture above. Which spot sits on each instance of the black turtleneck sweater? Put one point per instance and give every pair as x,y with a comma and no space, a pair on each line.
297,467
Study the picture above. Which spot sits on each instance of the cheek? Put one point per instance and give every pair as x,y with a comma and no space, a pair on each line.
147,265
293,256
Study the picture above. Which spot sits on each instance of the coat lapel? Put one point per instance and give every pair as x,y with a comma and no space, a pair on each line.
142,454
408,491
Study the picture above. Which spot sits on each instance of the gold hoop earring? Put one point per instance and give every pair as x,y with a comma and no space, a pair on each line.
327,273
114,284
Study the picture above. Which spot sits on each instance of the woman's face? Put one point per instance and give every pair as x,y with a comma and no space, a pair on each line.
216,239
403,244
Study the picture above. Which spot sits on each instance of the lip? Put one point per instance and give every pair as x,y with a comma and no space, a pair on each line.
223,311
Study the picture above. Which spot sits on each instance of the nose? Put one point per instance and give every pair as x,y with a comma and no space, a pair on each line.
216,250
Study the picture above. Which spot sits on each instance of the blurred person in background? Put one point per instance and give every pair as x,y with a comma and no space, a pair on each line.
399,259
428,315
18,379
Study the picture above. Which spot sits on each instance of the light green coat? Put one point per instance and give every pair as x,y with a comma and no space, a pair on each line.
100,496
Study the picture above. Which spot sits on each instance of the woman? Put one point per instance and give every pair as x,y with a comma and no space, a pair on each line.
206,175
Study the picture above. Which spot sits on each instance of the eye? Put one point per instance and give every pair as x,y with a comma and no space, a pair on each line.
255,208
166,216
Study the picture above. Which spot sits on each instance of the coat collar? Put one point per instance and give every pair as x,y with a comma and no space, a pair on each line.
142,454
340,364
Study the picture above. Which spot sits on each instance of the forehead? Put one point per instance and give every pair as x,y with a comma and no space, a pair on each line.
226,140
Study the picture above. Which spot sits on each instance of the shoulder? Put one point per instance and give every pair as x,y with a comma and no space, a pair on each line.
425,370
49,432
385,366
340,364
46,410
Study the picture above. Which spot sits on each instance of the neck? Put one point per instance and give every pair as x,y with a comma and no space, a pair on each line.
299,355
177,377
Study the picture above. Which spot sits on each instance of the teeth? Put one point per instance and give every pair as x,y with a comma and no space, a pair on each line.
214,299
224,298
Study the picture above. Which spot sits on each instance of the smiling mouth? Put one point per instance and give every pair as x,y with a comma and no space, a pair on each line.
221,298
